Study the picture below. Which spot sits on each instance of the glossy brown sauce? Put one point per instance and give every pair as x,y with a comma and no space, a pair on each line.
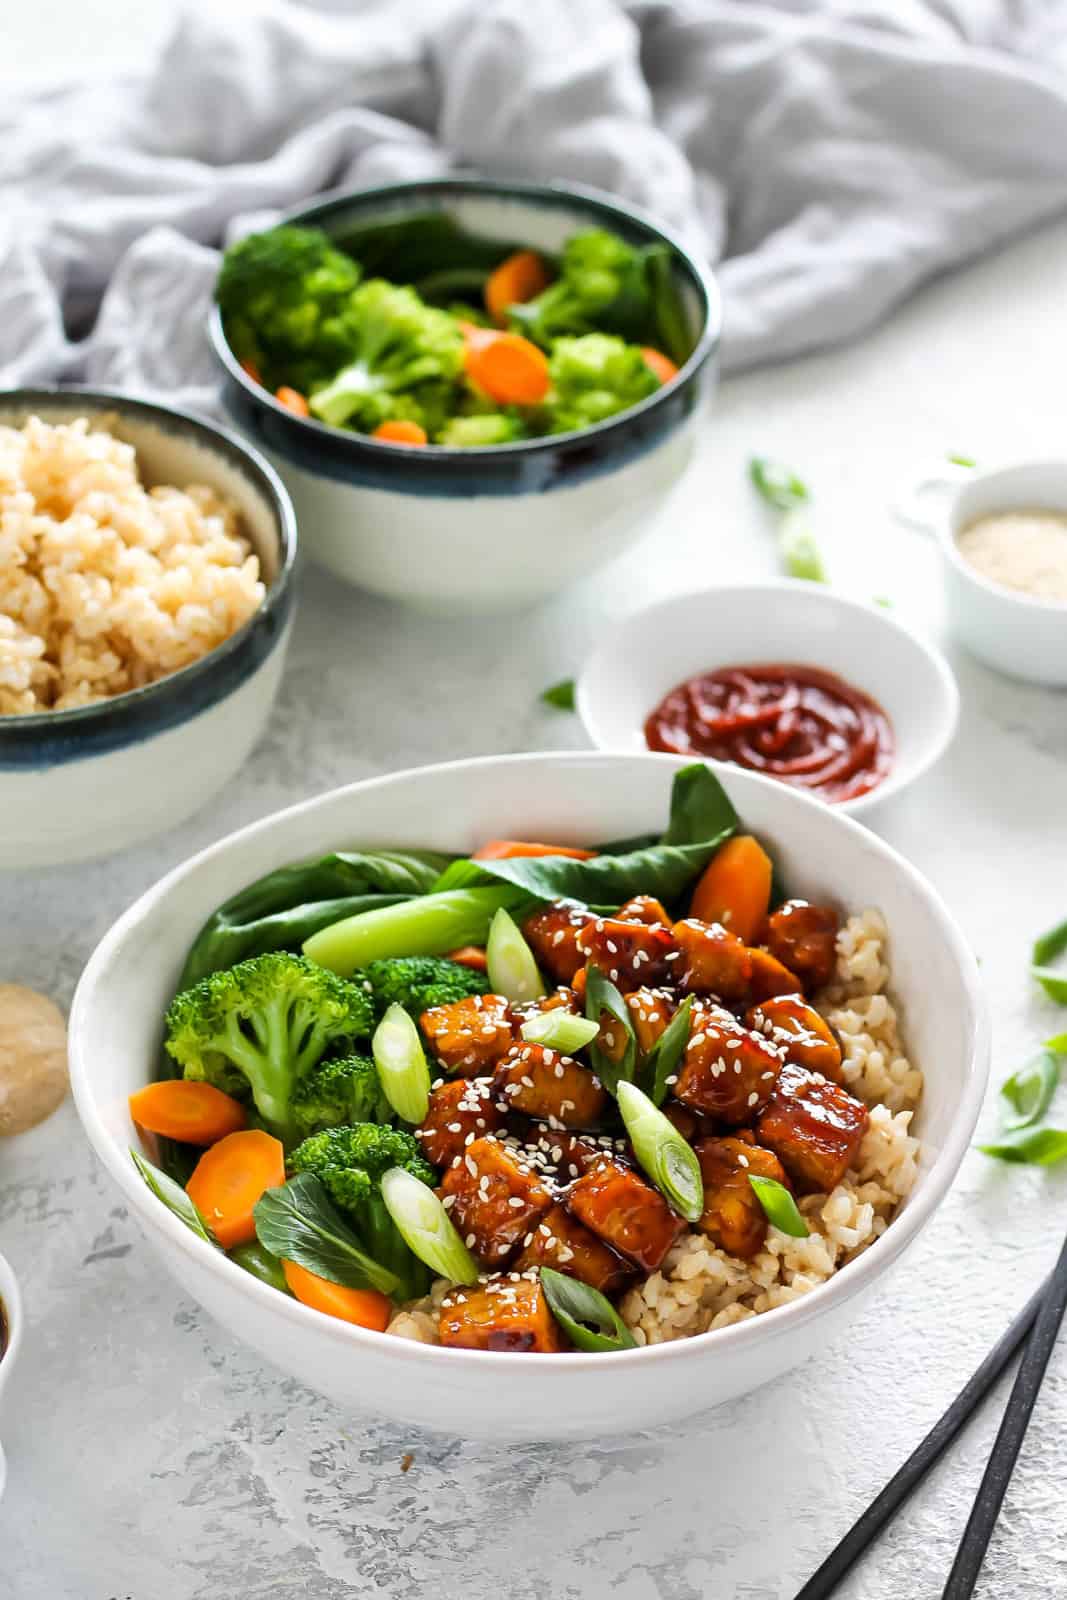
799,724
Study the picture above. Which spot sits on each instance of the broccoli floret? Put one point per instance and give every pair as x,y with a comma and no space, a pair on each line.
351,1162
345,1089
419,982
399,344
594,377
284,296
258,1028
602,283
494,427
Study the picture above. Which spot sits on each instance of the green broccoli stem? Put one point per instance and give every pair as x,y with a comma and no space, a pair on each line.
265,1063
431,925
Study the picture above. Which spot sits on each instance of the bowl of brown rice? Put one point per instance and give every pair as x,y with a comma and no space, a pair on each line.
146,563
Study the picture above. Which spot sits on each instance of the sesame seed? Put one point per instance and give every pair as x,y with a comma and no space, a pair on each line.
455,1127
742,1160
469,1241
753,1098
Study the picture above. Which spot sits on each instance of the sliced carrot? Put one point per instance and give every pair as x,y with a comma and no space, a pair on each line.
470,955
660,365
367,1308
195,1113
735,888
292,400
510,369
399,431
519,278
229,1179
252,371
506,849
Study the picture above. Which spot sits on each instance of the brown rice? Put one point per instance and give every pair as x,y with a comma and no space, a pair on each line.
105,585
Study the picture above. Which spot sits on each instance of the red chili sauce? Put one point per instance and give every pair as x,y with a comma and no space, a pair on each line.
799,724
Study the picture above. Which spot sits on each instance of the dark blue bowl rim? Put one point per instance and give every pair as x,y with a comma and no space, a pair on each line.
222,440
607,206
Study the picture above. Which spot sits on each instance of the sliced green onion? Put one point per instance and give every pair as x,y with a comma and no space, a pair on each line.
780,488
779,1205
1046,948
1029,1091
560,1030
1034,1147
669,1161
560,695
961,461
666,1054
426,1227
602,996
799,550
173,1197
401,1063
510,961
587,1317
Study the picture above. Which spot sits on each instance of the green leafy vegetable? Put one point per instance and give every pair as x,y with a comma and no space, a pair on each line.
1029,1091
419,982
666,1054
1037,1147
426,1228
560,1030
587,1317
173,1197
666,1157
477,432
560,695
510,961
779,1205
602,996
593,377
429,926
341,1090
1047,948
604,284
261,1264
300,1223
401,1063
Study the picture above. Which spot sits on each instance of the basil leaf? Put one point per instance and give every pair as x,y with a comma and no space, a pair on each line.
560,695
173,1197
1030,1090
700,808
601,995
775,484
1034,1147
587,1317
666,1054
779,1205
299,1222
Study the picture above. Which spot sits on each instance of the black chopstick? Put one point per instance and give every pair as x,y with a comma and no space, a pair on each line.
880,1511
1024,1391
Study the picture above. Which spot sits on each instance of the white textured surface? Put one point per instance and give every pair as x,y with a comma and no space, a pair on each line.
150,1456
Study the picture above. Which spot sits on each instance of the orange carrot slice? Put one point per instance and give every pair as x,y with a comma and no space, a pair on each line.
195,1113
252,371
470,955
292,400
367,1308
517,279
659,364
229,1179
506,849
735,888
510,369
399,431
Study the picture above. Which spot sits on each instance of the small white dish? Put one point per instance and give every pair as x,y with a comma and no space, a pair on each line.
10,1339
1012,632
782,619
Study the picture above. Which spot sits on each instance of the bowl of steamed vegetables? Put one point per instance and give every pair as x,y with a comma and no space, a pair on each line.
475,393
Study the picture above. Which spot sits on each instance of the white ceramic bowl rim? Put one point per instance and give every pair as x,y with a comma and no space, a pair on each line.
593,199
213,435
11,1299
780,591
947,532
774,1324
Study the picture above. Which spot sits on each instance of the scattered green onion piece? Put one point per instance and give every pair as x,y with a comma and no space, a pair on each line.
1029,1091
173,1197
560,1030
775,483
426,1227
602,996
560,695
510,961
666,1054
961,461
798,549
882,600
262,1264
587,1317
779,1205
401,1063
1033,1147
1046,948
666,1157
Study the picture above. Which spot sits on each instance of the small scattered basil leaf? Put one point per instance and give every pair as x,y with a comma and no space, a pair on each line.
261,1264
587,1317
299,1222
401,1062
666,1157
1047,947
560,1030
779,1205
775,483
560,695
666,1054
510,964
602,996
1035,1147
799,549
173,1197
961,461
1029,1090
426,1228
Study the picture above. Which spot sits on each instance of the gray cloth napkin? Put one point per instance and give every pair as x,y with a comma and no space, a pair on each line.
827,156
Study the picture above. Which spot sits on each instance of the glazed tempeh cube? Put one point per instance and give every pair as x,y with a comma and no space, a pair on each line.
713,961
631,954
814,1127
728,1071
494,1197
650,1012
462,1110
508,1312
469,1036
733,1217
561,1241
804,939
552,934
543,1083
626,1212
805,1036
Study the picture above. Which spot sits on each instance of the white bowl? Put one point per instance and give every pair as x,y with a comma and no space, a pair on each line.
11,1304
86,782
115,1029
1013,632
787,619
471,531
